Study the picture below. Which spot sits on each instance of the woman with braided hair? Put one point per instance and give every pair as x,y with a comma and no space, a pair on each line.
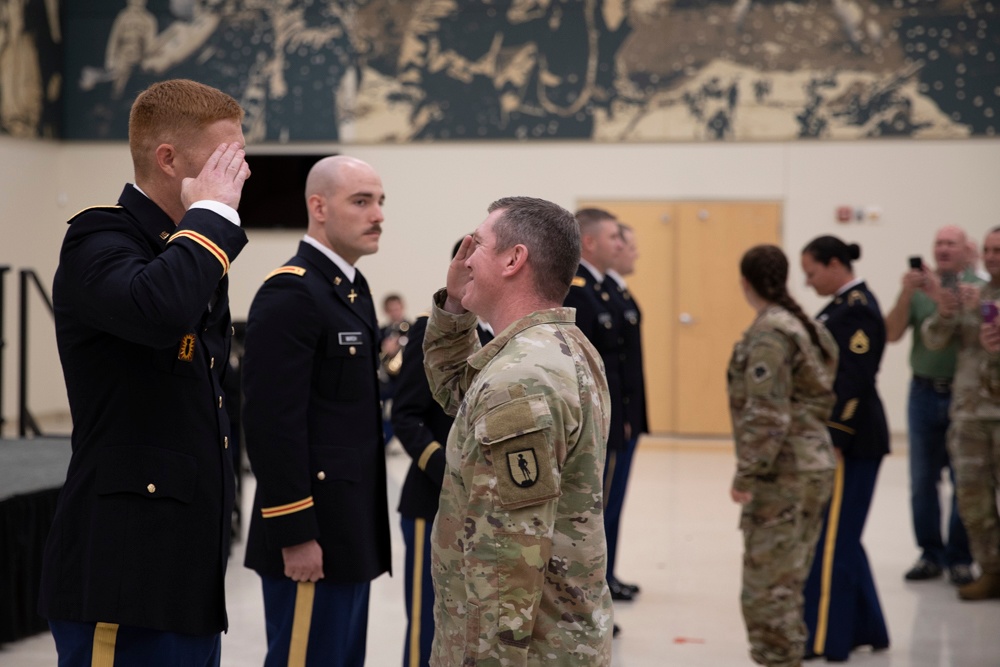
780,383
842,606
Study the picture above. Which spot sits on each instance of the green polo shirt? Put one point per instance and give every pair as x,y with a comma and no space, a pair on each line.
938,364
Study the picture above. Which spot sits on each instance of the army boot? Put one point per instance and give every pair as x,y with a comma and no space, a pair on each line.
985,587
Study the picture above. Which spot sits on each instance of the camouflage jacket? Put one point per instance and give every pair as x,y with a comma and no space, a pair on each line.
518,547
780,397
974,391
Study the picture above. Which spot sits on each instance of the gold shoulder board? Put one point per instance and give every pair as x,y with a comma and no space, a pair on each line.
297,270
106,207
579,281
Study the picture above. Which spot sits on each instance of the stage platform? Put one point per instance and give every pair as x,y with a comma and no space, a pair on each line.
31,473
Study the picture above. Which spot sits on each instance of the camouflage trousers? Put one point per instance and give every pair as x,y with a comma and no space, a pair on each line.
780,528
974,447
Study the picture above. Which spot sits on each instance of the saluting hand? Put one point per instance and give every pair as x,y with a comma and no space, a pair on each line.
459,276
303,562
221,179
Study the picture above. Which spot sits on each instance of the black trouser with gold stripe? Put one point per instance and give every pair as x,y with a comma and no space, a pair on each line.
842,606
419,592
111,645
315,625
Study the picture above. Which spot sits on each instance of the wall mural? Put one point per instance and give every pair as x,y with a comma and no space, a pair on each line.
30,68
605,70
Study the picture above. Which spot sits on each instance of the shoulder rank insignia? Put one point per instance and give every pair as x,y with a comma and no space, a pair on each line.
296,270
105,207
579,281
859,342
857,296
523,467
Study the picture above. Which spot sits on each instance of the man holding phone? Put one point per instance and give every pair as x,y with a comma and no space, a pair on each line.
974,436
929,402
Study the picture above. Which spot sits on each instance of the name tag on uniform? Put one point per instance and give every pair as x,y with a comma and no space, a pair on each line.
350,338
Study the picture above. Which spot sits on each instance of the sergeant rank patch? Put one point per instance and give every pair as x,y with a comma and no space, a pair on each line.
859,342
523,467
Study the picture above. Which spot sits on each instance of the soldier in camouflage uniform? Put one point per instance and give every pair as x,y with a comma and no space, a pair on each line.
519,552
974,436
780,396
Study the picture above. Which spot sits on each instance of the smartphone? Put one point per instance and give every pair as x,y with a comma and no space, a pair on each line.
916,263
949,281
989,311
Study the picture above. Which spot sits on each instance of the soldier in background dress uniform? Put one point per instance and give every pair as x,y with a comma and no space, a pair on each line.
842,605
393,337
134,565
319,532
422,428
633,400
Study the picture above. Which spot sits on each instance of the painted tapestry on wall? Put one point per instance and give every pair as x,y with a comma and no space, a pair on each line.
30,68
611,70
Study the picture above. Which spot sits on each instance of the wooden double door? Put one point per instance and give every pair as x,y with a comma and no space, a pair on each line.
686,282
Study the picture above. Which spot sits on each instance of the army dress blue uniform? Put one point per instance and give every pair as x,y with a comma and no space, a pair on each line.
842,608
600,322
633,380
140,538
422,428
313,430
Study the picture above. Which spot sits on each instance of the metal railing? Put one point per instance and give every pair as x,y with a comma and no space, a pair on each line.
3,343
25,418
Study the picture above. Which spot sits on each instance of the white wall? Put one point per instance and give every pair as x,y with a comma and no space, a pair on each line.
436,192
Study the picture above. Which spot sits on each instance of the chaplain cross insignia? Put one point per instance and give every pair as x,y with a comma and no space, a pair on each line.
352,296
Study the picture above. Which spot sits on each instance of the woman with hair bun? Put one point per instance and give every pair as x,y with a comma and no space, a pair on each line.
780,382
842,606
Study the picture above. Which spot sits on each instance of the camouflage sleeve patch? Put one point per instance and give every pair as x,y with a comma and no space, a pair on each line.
515,432
766,368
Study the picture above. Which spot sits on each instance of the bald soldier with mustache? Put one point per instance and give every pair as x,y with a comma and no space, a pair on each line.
319,533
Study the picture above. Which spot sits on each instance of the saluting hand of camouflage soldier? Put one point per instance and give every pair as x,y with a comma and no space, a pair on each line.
459,276
221,179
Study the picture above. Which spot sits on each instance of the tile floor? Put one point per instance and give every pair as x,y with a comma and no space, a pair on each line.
681,543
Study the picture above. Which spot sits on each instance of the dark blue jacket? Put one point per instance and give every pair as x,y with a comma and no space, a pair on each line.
422,428
312,421
141,531
858,425
633,375
601,323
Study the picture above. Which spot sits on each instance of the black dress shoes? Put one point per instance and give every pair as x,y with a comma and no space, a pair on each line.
631,587
620,593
